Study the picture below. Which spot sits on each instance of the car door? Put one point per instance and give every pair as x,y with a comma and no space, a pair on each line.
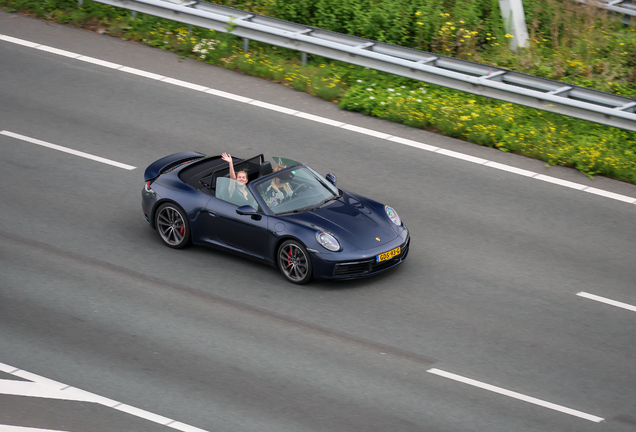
245,233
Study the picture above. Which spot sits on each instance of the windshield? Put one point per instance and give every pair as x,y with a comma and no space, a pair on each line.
283,162
293,190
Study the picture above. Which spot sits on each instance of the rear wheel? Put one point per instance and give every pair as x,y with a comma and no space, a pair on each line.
294,262
172,226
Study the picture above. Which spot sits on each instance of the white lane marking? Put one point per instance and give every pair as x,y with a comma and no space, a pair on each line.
57,51
511,169
560,182
319,119
366,131
462,156
607,301
227,95
415,144
185,428
67,150
100,62
185,84
34,389
516,395
7,369
137,412
42,387
611,195
142,73
18,41
7,428
377,134
273,107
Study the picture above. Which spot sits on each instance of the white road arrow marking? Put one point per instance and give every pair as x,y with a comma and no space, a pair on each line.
7,428
34,389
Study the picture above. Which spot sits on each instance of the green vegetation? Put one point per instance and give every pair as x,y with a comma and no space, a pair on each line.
569,42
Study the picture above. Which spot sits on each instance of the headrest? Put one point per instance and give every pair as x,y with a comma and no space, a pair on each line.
266,168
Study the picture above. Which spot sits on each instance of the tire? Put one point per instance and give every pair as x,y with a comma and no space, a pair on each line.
172,226
294,262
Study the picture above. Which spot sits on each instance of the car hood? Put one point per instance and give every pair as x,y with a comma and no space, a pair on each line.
354,220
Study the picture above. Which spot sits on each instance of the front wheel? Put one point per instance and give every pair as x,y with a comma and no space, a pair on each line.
294,262
172,226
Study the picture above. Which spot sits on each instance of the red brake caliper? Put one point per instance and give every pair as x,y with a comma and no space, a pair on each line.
289,261
182,230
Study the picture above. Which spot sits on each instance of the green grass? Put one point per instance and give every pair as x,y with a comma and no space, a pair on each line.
591,148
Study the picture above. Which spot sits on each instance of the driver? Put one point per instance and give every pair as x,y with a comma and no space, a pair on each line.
277,191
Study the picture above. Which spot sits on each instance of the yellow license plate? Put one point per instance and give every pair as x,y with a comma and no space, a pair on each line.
386,255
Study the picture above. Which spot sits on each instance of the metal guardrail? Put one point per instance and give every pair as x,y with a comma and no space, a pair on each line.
475,78
625,7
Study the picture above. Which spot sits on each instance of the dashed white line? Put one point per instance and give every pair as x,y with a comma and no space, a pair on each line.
516,395
607,301
335,123
67,150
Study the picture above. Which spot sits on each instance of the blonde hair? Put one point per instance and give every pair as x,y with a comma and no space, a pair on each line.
241,171
278,168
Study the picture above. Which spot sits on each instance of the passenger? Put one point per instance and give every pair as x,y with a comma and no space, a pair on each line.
241,176
277,191
235,190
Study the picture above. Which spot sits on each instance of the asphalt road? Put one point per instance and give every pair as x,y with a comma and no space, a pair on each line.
89,296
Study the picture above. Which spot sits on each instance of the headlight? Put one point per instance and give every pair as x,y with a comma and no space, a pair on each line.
327,241
392,214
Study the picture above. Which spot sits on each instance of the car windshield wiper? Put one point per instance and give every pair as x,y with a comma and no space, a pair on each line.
300,210
335,197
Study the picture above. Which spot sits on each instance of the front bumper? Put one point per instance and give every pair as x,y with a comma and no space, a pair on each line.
360,265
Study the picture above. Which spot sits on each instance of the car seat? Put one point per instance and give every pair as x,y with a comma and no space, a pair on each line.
266,168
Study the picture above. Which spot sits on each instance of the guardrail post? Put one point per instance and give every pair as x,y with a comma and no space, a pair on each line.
514,22
246,45
303,59
134,14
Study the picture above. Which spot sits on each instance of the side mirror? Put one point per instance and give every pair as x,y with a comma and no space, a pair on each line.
331,178
246,210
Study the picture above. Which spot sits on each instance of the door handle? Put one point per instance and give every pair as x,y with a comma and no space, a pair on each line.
212,214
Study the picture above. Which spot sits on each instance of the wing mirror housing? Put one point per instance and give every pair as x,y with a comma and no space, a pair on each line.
331,178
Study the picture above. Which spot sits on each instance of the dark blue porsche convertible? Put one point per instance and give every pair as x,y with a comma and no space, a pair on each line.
290,217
